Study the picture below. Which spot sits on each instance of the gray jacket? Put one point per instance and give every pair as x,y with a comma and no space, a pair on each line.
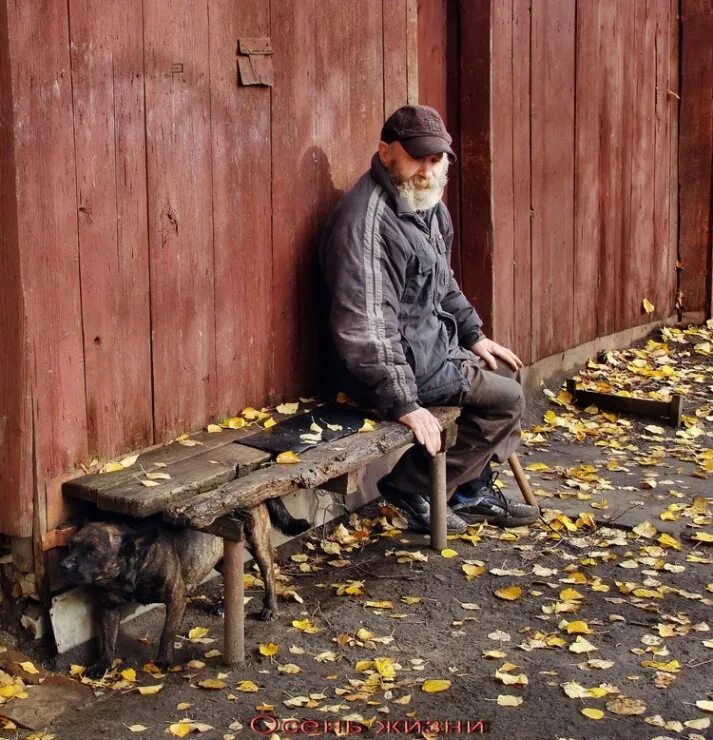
398,319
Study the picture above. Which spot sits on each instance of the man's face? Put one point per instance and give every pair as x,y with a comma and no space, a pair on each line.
420,182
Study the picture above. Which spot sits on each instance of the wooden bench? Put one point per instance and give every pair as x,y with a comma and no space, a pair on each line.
214,475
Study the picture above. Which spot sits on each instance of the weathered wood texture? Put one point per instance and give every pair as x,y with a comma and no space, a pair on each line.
318,465
568,118
202,472
475,18
696,155
15,410
160,221
438,82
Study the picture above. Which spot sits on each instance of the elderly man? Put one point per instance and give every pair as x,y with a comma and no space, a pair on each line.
405,335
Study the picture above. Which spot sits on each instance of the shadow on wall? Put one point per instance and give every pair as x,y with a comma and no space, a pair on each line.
319,198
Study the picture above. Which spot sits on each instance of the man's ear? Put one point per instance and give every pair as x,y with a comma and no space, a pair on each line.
384,153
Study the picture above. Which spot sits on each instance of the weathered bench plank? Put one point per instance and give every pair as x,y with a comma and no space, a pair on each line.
317,466
198,473
88,487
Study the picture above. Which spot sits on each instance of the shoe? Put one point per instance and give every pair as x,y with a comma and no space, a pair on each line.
482,501
416,510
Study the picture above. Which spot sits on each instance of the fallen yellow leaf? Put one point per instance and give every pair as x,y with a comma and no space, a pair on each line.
647,305
578,627
268,649
180,729
288,408
509,593
197,633
368,426
434,685
212,683
213,428
28,667
149,690
247,686
287,458
449,553
592,713
509,700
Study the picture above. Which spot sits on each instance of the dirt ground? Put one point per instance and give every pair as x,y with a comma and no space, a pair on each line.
594,623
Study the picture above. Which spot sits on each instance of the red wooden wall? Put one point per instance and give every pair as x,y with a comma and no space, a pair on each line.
568,170
159,221
696,157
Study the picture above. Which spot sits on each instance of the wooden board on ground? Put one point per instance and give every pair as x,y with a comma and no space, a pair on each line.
317,466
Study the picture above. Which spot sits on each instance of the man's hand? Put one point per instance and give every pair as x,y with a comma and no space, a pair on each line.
488,350
426,428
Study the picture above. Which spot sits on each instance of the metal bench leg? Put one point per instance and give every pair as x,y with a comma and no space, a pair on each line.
234,626
438,501
522,482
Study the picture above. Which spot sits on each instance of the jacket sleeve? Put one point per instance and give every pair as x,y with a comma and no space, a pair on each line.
365,279
467,319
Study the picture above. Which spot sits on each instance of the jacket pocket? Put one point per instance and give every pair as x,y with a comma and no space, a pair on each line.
420,288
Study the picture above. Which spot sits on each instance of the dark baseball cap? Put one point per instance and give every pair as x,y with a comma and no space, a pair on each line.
420,131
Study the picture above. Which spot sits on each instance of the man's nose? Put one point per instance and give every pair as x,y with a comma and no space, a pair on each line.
426,169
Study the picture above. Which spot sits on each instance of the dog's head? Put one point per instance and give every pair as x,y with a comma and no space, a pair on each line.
95,555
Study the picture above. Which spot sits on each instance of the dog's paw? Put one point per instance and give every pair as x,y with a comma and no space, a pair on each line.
162,663
267,614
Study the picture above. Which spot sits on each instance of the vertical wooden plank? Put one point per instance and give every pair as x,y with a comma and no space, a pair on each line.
610,180
107,86
432,41
412,50
696,153
180,214
475,161
292,136
319,148
663,270
674,148
621,245
637,274
522,238
241,156
47,231
553,60
15,412
438,65
452,196
395,20
587,236
501,121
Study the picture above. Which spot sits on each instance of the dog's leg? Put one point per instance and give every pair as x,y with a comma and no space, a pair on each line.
257,525
175,609
108,631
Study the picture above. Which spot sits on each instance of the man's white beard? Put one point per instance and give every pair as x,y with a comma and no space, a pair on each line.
417,196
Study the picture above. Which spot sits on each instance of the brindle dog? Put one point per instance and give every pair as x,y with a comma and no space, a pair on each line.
151,562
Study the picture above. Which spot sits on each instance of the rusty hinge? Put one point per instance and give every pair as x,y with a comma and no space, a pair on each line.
254,62
57,537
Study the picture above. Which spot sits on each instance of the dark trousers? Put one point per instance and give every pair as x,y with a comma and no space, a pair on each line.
488,427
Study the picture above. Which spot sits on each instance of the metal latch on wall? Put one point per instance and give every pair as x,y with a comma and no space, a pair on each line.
255,62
